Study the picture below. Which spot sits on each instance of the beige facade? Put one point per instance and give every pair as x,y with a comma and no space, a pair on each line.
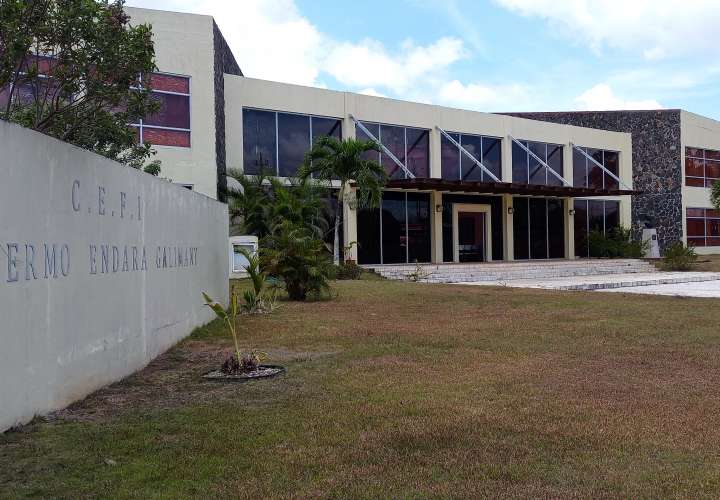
184,46
241,92
697,132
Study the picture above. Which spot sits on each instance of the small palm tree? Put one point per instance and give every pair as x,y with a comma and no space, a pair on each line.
332,160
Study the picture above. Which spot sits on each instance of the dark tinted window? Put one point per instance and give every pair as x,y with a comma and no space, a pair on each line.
418,152
368,232
521,228
538,229
293,142
326,127
450,158
418,224
473,145
259,149
556,228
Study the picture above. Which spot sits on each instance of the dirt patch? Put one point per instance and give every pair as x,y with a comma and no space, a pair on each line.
173,380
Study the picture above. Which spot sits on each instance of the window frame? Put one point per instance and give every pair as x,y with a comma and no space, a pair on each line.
482,138
276,113
706,219
140,126
589,165
705,179
405,128
527,144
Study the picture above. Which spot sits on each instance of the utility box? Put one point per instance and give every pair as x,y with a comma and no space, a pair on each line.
238,261
653,247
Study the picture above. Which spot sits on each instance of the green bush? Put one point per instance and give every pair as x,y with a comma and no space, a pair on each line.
296,256
348,271
617,243
678,257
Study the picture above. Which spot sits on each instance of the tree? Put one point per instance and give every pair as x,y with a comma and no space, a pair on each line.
260,202
332,160
72,69
715,195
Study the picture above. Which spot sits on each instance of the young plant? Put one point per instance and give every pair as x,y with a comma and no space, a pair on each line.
228,317
257,299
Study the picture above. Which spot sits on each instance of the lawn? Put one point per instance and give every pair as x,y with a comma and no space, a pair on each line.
406,390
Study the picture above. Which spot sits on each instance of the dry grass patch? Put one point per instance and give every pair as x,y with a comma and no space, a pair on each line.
405,390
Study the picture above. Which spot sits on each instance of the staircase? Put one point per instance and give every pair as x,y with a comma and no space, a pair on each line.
508,271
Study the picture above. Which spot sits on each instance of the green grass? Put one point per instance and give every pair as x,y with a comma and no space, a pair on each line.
406,390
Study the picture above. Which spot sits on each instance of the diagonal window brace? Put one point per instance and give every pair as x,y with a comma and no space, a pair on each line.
467,153
383,148
584,153
538,159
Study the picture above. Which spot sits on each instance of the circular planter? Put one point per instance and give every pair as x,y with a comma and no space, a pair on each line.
263,371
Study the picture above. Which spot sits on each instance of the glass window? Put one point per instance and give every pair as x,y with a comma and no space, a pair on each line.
418,227
521,228
259,147
556,228
593,215
519,164
170,125
410,146
326,127
418,150
277,142
399,232
581,228
492,157
703,227
527,169
473,145
393,138
588,174
538,228
702,167
449,158
456,165
293,142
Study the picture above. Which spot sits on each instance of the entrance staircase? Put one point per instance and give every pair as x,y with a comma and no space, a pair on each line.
500,272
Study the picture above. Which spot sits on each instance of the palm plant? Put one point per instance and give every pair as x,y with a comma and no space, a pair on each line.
343,161
261,202
293,253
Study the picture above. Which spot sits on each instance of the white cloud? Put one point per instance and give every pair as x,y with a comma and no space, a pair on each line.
484,97
371,91
602,98
270,39
653,28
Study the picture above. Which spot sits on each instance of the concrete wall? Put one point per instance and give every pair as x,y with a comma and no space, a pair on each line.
697,132
101,270
185,45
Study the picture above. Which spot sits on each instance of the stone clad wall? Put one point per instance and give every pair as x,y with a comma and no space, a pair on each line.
657,162
101,270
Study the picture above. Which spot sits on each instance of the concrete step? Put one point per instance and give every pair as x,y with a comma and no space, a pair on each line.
607,282
505,271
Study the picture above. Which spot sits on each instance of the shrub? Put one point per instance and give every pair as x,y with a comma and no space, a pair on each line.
348,271
616,244
679,257
292,253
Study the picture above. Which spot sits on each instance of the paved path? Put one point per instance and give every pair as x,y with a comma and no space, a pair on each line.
710,289
609,281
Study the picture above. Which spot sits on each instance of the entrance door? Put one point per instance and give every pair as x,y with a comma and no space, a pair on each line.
471,233
471,236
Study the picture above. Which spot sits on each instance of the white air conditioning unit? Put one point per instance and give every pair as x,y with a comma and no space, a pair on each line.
237,259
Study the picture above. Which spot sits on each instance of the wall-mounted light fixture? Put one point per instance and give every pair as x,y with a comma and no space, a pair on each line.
439,208
511,210
571,211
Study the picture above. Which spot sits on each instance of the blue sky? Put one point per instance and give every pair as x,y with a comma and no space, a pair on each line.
489,55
